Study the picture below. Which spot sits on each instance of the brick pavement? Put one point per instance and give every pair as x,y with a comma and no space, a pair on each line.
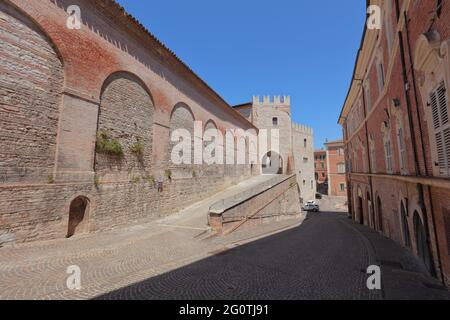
322,257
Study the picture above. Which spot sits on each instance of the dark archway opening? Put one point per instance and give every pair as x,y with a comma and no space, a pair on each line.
380,215
272,163
360,210
79,209
421,241
405,228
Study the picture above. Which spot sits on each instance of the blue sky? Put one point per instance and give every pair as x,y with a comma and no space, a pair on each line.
305,49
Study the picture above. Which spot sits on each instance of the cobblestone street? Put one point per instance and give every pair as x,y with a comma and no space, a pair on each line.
324,256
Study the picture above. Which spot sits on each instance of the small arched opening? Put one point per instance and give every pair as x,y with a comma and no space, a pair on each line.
380,215
272,163
405,227
360,207
78,216
370,210
423,250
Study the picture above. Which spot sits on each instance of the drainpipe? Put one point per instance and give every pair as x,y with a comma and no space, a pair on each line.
414,141
421,193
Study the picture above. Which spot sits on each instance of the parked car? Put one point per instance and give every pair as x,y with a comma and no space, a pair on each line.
311,206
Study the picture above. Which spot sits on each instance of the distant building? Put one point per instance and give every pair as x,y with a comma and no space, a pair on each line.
321,171
296,143
337,185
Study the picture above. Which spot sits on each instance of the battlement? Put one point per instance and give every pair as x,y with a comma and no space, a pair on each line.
302,129
272,101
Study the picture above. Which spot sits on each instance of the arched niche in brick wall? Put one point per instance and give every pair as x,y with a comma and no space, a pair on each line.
218,168
125,119
181,127
31,85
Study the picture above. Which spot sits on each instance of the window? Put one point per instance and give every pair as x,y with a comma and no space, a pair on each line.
275,121
380,73
441,124
323,165
342,187
305,160
341,168
312,184
305,143
323,174
388,154
402,150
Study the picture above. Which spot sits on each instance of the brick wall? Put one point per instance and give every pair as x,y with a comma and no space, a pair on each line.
31,82
68,85
390,113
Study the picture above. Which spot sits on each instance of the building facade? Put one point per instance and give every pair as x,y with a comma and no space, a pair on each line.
337,185
87,123
320,165
295,142
396,128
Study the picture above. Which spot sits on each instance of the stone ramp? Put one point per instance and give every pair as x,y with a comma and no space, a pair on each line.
274,199
195,217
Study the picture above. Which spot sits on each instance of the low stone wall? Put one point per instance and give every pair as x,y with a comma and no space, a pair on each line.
41,212
276,199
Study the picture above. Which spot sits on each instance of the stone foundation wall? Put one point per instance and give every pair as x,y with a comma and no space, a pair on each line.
267,201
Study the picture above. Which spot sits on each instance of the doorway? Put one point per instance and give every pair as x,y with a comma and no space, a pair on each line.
78,214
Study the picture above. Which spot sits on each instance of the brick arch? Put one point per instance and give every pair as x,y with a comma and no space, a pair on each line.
379,212
78,215
216,169
126,115
359,196
181,117
30,101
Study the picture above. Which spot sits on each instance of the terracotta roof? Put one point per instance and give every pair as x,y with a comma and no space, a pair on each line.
243,105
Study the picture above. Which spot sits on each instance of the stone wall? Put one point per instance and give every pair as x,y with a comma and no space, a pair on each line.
276,198
303,150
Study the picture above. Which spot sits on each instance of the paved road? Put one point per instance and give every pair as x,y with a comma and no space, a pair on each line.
322,257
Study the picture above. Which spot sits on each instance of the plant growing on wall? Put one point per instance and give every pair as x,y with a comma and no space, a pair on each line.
96,181
137,148
194,174
108,146
169,174
150,179
136,179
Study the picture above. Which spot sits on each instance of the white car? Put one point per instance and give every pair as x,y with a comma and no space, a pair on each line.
311,206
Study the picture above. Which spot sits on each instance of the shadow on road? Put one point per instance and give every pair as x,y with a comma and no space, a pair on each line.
324,258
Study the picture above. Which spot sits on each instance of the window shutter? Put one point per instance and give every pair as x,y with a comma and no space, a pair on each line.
439,109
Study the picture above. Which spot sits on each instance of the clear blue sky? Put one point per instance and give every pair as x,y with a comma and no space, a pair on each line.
302,48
